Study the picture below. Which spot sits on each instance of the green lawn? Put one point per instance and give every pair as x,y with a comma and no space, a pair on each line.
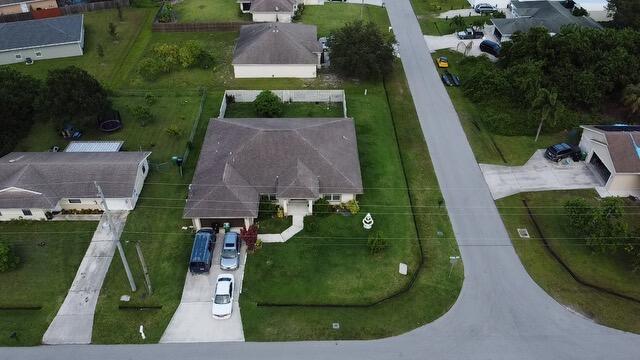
116,53
273,225
433,291
209,11
332,16
291,110
428,7
50,254
486,146
604,270
156,224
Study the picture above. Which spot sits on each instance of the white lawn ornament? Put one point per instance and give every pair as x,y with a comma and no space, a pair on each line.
367,222
142,332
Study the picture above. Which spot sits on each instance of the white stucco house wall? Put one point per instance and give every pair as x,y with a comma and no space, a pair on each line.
289,161
33,184
41,39
273,10
277,50
613,154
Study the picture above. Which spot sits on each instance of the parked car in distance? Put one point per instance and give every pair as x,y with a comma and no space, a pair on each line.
442,61
484,8
223,297
230,255
445,79
470,33
490,47
202,251
561,151
455,79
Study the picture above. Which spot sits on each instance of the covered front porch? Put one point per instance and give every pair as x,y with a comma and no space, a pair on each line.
300,207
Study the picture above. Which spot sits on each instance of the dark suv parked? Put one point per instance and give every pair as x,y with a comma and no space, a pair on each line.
490,47
561,151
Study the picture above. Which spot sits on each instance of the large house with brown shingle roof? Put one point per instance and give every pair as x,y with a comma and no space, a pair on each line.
291,161
274,10
613,153
277,50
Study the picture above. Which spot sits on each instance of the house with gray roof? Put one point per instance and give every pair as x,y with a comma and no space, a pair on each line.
277,50
613,154
8,7
551,15
291,161
41,39
35,183
273,10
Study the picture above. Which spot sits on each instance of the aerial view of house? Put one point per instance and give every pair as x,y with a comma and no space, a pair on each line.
293,161
36,184
312,179
41,39
277,50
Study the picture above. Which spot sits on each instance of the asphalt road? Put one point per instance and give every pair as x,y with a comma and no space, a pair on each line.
500,314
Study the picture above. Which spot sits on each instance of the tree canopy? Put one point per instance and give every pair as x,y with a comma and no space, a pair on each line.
268,104
17,106
625,12
361,50
73,92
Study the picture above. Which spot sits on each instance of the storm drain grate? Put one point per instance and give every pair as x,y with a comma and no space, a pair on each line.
524,233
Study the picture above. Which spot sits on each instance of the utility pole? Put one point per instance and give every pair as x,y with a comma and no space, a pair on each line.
112,227
147,279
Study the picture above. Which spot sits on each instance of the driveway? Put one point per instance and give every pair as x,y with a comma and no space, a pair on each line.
73,324
452,42
192,321
538,174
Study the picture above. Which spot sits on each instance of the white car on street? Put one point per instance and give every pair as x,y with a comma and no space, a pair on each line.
223,297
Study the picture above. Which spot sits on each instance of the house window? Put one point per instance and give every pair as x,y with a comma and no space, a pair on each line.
38,54
75,201
18,56
26,212
333,197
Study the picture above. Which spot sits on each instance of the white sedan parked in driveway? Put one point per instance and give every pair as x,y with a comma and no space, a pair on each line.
223,297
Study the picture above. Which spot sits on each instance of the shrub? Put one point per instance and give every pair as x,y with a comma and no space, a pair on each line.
249,237
8,259
173,131
168,56
150,99
268,104
150,69
143,115
205,60
376,243
352,206
298,14
267,209
166,14
189,53
322,208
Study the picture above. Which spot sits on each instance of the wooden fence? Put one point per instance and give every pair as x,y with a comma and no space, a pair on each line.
197,27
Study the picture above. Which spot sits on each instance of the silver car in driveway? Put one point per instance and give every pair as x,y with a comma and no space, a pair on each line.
230,255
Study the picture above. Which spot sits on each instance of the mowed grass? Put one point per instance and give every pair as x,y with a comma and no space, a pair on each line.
170,110
50,253
611,271
209,11
96,23
290,110
433,292
434,7
487,147
157,224
432,25
332,16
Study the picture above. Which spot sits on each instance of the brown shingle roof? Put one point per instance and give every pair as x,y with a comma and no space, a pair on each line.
277,43
56,175
623,150
295,158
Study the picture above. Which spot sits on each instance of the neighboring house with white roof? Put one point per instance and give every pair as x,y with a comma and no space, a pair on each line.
34,183
277,50
41,39
291,161
597,9
613,153
273,10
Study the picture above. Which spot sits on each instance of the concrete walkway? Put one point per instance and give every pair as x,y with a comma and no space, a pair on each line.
192,322
73,323
297,224
462,12
538,174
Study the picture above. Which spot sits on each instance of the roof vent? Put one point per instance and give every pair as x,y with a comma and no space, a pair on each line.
277,8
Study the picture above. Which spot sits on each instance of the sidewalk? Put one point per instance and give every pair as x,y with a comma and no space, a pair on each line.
73,323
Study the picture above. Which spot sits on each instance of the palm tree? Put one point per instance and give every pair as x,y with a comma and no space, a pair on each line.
546,104
631,98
